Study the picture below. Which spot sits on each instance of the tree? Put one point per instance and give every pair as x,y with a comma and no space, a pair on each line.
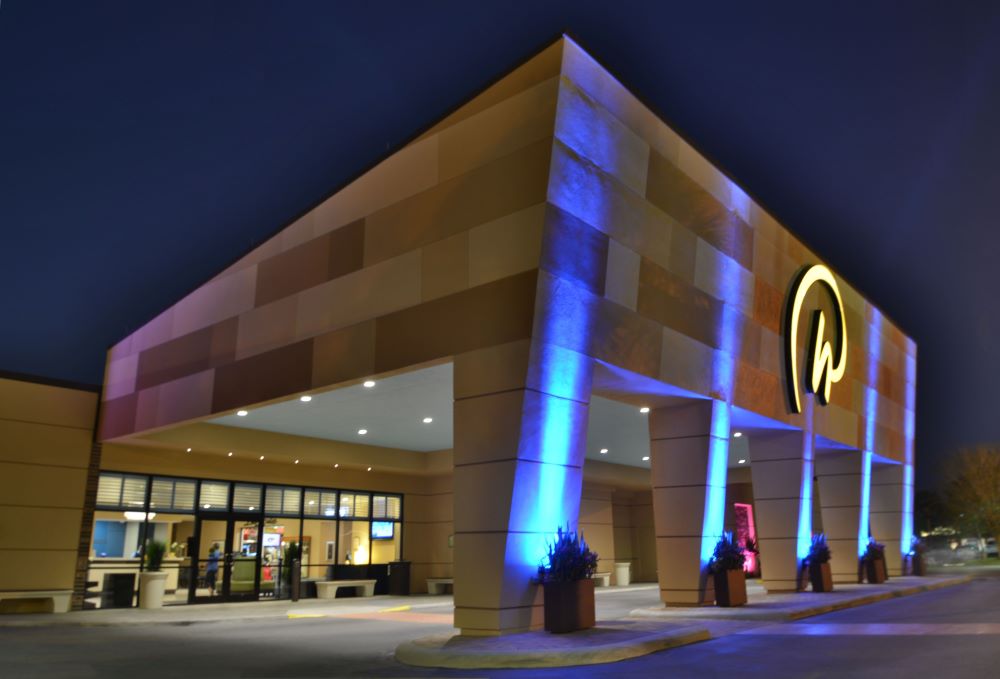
929,511
974,488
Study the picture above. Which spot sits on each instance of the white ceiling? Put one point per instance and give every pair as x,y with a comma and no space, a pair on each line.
393,410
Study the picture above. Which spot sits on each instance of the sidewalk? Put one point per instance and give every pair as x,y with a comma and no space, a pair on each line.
257,610
798,605
229,612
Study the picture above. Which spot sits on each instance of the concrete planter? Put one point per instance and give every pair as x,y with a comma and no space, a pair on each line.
820,577
623,573
569,606
730,588
152,585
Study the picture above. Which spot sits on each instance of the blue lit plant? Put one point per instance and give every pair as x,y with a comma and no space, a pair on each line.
874,551
728,555
819,551
569,559
917,546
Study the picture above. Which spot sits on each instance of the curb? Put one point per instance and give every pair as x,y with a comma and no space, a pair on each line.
431,651
770,615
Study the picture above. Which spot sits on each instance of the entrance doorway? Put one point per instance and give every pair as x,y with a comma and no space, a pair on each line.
227,558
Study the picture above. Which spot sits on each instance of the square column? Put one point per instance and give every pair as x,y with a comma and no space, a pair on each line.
843,478
689,451
887,512
781,466
520,439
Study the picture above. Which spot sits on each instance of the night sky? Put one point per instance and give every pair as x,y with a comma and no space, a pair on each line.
144,146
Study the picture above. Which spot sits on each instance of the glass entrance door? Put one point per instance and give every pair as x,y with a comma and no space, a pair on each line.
226,559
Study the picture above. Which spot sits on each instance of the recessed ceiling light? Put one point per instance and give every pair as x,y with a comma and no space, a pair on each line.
362,432
369,383
369,469
296,462
241,413
644,410
645,458
741,461
737,434
604,451
336,466
229,454
189,450
305,398
261,457
428,420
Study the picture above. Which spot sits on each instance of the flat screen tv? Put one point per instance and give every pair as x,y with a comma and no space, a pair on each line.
382,530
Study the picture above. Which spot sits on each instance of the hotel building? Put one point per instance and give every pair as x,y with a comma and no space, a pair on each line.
547,309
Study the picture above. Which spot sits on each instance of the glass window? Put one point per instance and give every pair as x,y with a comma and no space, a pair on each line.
291,502
385,507
246,497
320,502
177,494
319,547
361,501
161,496
283,500
214,496
184,494
346,505
121,490
134,491
109,490
354,542
385,541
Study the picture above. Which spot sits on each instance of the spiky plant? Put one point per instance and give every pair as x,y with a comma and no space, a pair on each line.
569,559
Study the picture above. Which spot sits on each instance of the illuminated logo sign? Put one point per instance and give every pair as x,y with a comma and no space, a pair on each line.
824,365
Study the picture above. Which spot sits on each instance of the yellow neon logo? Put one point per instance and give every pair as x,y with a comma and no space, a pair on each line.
822,367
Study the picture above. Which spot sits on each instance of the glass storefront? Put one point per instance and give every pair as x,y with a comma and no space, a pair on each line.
230,541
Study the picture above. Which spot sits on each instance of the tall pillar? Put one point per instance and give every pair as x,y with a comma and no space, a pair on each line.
689,450
843,478
781,465
520,438
888,493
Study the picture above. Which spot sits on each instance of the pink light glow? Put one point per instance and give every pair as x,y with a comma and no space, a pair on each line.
750,565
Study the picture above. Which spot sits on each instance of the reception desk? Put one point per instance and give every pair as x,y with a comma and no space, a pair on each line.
98,567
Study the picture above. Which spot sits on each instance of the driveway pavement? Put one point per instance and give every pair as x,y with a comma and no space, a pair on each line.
951,632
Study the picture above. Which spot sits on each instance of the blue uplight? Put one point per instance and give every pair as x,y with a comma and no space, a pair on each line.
715,492
804,535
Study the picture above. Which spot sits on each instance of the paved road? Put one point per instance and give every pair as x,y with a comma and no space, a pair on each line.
953,632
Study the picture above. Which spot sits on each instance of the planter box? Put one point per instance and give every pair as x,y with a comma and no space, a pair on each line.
875,571
730,588
569,606
820,577
917,565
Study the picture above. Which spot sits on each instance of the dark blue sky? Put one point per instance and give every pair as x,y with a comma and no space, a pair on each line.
143,146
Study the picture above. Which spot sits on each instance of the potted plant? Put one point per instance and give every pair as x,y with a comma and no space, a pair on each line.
819,564
153,581
874,562
726,568
566,580
917,549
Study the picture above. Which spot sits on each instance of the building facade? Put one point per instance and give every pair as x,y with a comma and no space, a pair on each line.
442,351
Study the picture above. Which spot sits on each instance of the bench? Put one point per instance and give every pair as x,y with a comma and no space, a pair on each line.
439,585
602,579
38,601
327,589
